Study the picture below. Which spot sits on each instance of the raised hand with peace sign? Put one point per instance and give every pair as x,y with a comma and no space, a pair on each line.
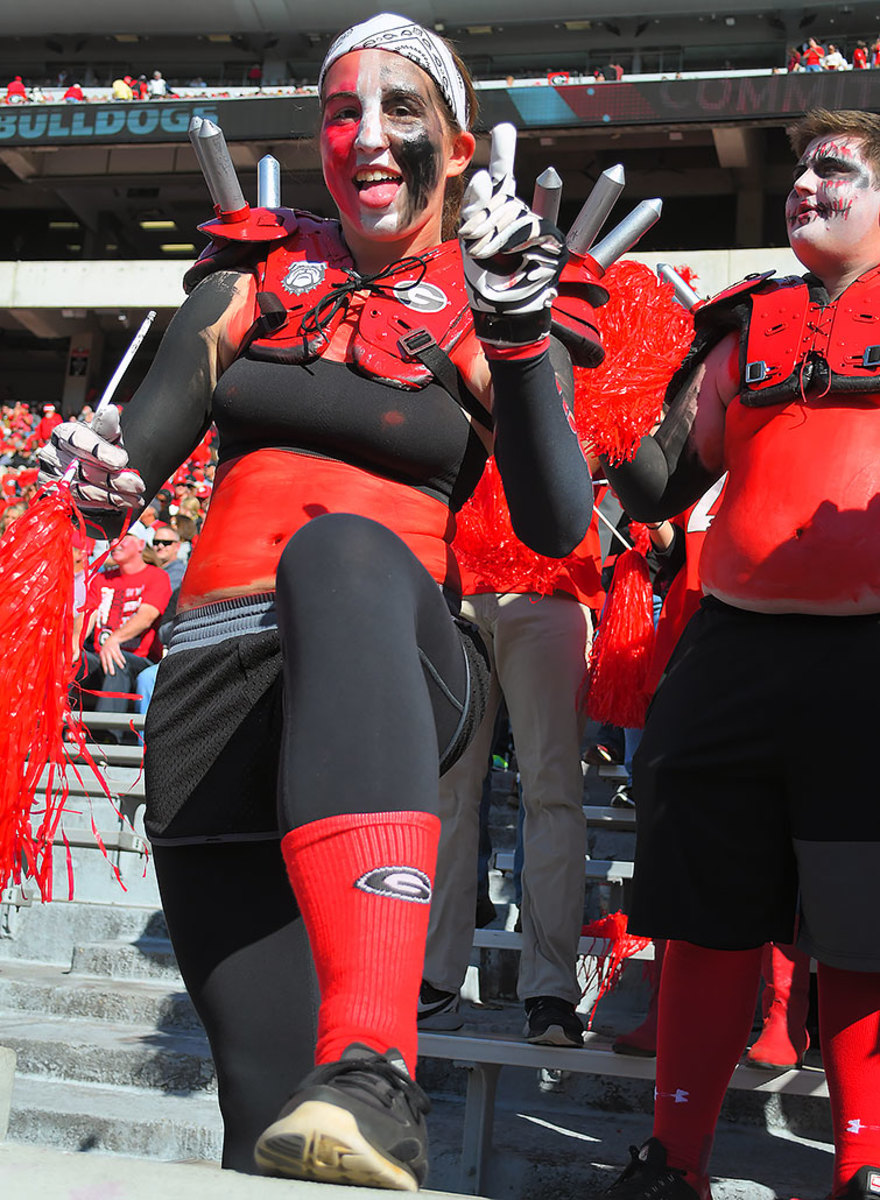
512,258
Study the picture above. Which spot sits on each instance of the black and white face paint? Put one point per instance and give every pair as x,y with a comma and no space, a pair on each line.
383,144
833,209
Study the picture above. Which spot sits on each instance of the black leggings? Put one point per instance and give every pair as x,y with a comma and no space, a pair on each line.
374,673
375,682
244,956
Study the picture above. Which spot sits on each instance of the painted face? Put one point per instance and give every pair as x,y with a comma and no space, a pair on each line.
384,146
833,210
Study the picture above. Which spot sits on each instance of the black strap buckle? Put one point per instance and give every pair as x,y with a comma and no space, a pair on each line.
414,341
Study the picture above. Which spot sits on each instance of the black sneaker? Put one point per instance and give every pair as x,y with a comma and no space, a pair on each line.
649,1178
864,1185
552,1022
357,1121
438,1011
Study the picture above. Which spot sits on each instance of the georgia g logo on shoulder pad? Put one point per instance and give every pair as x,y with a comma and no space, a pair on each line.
398,883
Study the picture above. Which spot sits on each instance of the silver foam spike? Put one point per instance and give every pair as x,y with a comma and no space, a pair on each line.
596,208
625,235
268,182
218,168
684,293
547,195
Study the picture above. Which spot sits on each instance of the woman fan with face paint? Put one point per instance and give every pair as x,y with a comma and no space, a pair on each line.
358,370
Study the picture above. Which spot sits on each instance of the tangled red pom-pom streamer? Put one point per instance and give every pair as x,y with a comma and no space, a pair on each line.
603,967
646,334
37,664
36,656
486,545
620,658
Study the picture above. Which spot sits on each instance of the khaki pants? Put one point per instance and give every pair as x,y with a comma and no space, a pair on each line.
537,647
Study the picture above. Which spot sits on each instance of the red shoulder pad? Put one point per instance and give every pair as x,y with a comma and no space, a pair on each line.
252,225
707,311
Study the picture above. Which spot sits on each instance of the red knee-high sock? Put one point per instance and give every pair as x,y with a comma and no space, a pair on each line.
707,1005
849,1024
363,885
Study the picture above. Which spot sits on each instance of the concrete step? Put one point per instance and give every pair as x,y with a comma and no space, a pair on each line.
54,1175
114,1120
34,988
49,933
146,958
109,1053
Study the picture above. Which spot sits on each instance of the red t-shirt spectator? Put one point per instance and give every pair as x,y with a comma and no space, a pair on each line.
47,423
813,55
15,91
117,597
74,92
860,58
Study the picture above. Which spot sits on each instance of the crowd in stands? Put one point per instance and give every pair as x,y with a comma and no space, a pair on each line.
812,56
862,54
132,587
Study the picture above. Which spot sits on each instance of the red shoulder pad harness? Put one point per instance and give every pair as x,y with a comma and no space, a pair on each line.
786,326
304,271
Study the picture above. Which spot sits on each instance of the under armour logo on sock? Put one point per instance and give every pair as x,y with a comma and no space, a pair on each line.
874,1182
856,1126
679,1096
398,883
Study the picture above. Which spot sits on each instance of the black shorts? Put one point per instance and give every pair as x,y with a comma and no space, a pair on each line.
757,809
213,734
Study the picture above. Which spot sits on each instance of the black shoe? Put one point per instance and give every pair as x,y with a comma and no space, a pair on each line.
357,1121
649,1178
552,1022
438,1011
622,798
486,912
864,1185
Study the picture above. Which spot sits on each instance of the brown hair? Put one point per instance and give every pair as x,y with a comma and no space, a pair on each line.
455,186
845,122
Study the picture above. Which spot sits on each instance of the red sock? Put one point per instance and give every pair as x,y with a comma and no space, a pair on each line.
707,1005
849,1022
363,885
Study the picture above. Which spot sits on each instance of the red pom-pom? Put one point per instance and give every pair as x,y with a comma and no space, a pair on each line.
37,664
622,649
646,333
36,660
488,549
603,968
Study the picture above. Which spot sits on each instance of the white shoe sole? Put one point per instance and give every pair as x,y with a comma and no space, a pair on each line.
321,1142
553,1035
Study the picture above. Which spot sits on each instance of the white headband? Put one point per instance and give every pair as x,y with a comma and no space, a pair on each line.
388,31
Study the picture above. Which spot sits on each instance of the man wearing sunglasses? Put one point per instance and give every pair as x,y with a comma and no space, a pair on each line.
166,543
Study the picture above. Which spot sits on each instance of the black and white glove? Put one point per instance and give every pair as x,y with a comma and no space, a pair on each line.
512,258
103,478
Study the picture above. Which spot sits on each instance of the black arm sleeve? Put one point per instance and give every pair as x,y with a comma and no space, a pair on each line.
171,411
657,483
543,469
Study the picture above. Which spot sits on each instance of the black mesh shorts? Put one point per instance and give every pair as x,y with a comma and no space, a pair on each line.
213,734
757,809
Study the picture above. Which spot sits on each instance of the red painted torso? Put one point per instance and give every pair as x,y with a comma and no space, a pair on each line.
799,526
